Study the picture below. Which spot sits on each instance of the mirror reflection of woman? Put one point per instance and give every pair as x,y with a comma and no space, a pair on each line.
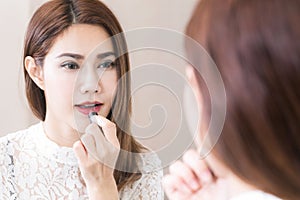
48,160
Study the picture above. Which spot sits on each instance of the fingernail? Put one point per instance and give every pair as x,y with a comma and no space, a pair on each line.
206,177
186,188
195,185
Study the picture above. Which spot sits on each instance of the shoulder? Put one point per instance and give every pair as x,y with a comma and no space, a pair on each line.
256,194
15,138
150,162
149,185
152,174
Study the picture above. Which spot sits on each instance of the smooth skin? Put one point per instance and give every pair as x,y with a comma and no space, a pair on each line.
58,77
96,168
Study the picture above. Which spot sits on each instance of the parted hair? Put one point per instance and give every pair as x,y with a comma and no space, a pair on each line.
51,20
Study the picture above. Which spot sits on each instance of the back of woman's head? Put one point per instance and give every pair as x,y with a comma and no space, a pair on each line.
256,47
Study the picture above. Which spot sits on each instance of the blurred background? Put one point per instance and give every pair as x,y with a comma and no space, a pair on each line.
132,14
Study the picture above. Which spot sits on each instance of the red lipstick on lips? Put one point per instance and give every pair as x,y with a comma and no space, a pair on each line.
87,107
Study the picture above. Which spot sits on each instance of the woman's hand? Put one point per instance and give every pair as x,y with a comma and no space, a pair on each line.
192,179
97,154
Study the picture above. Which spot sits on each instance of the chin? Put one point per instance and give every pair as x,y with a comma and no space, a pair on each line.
80,124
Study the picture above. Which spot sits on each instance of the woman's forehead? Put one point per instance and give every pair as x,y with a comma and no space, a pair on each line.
82,39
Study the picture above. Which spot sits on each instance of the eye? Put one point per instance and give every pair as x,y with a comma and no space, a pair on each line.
107,64
70,65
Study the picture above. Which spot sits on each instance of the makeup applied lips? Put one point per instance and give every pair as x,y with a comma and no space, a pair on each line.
89,106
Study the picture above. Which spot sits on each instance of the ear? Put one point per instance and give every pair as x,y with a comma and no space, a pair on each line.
196,113
35,72
191,76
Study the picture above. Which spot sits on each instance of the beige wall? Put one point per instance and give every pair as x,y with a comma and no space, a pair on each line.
14,112
131,13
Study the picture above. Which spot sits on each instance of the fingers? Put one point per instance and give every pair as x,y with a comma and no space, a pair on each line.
96,143
187,177
105,150
182,182
97,152
198,166
80,152
186,174
89,139
173,185
109,129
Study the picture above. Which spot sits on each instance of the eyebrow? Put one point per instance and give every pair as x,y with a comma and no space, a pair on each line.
106,54
81,57
72,55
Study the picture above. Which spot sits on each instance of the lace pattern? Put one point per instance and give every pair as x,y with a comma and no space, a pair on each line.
33,167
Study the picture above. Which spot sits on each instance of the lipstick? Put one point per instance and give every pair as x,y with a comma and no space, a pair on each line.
91,114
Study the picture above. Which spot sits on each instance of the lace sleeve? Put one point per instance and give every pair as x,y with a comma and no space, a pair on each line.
6,185
2,168
149,185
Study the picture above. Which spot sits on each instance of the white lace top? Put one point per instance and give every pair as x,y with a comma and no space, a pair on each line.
34,167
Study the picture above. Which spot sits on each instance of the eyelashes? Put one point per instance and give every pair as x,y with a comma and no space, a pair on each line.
107,64
70,65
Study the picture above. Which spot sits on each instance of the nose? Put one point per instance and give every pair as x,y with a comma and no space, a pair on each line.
90,82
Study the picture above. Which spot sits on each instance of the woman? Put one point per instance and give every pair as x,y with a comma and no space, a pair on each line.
256,47
63,156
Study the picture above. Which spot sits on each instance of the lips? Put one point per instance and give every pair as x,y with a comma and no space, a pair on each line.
87,107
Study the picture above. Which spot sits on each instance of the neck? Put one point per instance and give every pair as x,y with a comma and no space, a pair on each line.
237,186
61,134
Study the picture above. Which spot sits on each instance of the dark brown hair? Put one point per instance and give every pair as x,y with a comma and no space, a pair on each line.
51,20
256,47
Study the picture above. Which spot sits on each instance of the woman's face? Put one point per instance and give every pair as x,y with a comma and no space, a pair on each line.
77,82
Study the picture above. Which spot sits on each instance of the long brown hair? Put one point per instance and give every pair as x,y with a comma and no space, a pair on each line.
256,47
51,20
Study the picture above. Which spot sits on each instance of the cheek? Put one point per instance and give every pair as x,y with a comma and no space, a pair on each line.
109,84
59,90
